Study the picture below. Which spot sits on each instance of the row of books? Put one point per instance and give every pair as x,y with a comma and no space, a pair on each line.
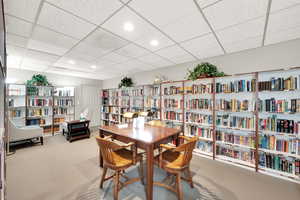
228,137
110,109
198,118
239,122
206,104
59,120
153,103
63,102
199,131
62,111
234,105
114,118
279,84
16,113
39,102
105,93
63,92
113,101
173,90
39,91
125,92
155,91
173,103
38,112
114,93
236,86
31,122
280,163
172,115
200,89
137,92
124,102
279,125
271,142
244,155
14,90
279,106
137,103
205,146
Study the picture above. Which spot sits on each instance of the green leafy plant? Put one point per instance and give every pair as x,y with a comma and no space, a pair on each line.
204,70
38,80
126,82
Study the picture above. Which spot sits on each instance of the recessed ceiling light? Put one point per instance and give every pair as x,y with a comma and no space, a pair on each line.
154,42
93,66
71,62
128,26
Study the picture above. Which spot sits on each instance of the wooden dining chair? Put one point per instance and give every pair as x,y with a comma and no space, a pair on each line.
116,157
175,161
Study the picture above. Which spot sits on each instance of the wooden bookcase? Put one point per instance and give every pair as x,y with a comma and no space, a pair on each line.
229,114
40,105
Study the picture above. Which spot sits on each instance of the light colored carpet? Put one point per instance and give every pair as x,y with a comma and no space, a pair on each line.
60,170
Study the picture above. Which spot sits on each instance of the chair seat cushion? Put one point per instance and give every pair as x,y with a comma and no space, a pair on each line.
124,157
170,159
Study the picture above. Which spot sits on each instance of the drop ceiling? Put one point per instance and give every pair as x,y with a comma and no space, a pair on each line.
87,38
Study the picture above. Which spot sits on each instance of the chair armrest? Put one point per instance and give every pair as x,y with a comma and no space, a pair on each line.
185,137
168,147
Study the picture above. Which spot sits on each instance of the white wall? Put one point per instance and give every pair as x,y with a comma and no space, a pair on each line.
276,56
87,91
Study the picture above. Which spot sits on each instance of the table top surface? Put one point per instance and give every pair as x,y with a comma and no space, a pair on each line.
148,134
77,121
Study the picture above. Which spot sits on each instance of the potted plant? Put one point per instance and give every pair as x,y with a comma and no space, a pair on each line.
126,82
204,70
38,80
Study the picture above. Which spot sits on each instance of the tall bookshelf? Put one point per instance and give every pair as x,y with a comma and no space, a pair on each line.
172,104
63,106
248,120
16,95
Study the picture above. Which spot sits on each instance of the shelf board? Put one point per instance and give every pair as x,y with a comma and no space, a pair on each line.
279,153
279,133
235,161
200,124
237,129
235,145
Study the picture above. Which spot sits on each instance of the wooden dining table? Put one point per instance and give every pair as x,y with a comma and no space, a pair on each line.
148,138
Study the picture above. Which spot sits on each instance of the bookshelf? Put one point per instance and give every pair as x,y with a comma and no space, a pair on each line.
63,106
247,120
172,103
199,110
16,95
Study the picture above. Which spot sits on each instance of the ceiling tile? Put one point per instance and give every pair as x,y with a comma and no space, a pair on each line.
285,19
17,26
25,9
242,33
203,47
14,61
63,22
78,64
155,60
133,64
282,35
231,12
80,56
40,57
50,41
182,22
240,45
104,63
175,54
15,51
115,58
143,31
132,51
206,3
16,40
99,43
95,11
33,65
283,4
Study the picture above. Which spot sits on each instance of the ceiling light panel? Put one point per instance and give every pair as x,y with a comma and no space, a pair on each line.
17,26
132,51
237,35
25,9
142,33
49,41
182,21
16,40
176,54
95,11
232,12
64,22
155,60
203,47
280,4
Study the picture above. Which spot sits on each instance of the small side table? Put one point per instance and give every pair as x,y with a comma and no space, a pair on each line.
77,129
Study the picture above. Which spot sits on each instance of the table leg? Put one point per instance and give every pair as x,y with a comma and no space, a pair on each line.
177,140
100,156
149,190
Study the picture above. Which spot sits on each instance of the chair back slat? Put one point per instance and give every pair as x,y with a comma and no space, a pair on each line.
187,150
107,148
